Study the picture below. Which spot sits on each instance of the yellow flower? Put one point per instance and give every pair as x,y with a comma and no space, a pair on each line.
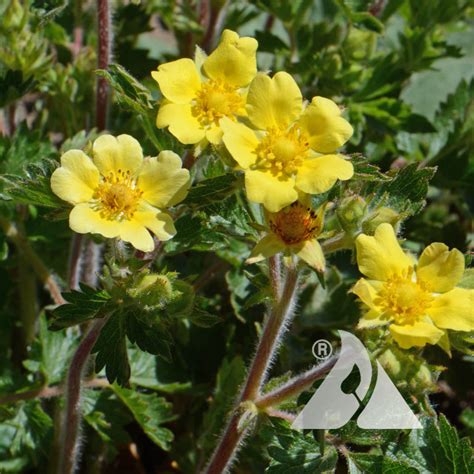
197,94
118,193
292,148
419,300
293,230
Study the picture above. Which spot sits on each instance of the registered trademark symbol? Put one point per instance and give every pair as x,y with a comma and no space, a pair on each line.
322,349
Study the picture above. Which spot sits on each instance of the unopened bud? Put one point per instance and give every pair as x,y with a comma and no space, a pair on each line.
380,216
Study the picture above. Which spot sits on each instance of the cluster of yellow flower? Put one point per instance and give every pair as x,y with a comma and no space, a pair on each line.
288,151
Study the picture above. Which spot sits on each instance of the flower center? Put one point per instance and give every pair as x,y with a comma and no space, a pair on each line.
117,196
282,151
296,223
215,100
403,299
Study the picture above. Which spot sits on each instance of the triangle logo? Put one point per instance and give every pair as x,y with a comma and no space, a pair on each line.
331,407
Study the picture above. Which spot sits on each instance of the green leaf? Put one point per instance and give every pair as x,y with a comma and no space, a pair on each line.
361,463
51,352
34,188
149,334
82,306
111,350
436,448
150,412
154,373
406,191
292,452
103,413
26,430
229,378
212,190
128,91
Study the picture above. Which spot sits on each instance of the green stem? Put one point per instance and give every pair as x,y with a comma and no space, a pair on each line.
269,342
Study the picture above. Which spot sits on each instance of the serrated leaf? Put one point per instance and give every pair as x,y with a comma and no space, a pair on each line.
34,188
360,463
82,306
292,452
111,350
149,335
212,190
150,412
406,191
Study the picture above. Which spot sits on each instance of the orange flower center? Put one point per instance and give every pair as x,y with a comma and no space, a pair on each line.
295,224
117,196
403,299
215,100
282,151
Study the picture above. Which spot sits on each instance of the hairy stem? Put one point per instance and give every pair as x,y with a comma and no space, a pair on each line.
103,18
295,385
267,347
70,426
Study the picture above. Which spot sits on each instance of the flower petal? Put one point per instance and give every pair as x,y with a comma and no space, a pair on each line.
76,179
440,268
326,128
366,292
273,102
111,154
214,134
454,310
418,334
85,220
381,256
267,247
234,60
160,223
272,191
240,141
137,234
312,253
179,80
372,319
163,180
181,122
318,175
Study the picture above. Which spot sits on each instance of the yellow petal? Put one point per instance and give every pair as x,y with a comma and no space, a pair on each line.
111,154
234,60
418,334
137,235
85,220
163,180
76,179
319,174
267,247
160,223
312,253
372,319
323,123
240,141
381,256
214,135
273,102
273,192
366,292
181,122
454,310
179,80
440,268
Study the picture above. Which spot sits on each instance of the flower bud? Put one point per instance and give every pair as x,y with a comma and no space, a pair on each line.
350,213
379,216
